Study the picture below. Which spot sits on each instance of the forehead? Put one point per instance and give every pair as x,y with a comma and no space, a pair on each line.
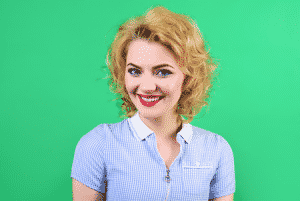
141,50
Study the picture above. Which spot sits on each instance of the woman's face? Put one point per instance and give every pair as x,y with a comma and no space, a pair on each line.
142,78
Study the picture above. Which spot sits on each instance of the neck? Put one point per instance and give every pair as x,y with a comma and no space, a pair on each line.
164,127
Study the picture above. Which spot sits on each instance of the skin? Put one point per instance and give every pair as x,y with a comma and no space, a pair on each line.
160,118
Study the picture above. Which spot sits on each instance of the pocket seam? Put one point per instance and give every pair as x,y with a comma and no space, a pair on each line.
199,167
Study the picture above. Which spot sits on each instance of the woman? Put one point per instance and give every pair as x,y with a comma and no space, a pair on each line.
162,71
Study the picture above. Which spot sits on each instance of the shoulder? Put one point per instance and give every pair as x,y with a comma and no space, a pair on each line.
97,137
96,133
208,138
94,140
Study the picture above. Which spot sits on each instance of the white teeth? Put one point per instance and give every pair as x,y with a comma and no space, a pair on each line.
150,100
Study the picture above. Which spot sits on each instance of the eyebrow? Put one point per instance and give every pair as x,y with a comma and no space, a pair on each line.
155,67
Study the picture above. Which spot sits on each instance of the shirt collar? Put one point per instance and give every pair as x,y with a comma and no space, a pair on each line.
141,131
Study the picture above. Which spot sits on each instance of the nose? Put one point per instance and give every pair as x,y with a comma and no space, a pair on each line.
149,83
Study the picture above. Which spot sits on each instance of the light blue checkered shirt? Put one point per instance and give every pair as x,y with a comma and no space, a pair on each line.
125,154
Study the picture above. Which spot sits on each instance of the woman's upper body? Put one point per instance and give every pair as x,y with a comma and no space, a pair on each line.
161,69
126,155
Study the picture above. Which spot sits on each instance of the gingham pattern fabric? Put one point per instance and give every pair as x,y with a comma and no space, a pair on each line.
125,154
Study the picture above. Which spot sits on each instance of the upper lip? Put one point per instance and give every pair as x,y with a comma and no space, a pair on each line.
147,96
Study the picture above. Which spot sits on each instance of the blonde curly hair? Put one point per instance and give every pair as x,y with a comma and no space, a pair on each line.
181,36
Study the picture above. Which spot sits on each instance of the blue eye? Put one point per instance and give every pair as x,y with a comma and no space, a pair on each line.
167,72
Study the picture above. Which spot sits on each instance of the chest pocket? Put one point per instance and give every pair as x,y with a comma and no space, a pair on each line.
196,179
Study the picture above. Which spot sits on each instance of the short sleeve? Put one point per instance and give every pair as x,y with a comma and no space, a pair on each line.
223,182
88,165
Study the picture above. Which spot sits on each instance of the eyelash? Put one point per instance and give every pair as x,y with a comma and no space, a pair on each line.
167,71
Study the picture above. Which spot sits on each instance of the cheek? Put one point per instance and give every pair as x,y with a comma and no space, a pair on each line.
129,86
179,87
127,82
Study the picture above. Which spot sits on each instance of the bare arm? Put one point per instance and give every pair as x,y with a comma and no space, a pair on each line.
83,193
224,198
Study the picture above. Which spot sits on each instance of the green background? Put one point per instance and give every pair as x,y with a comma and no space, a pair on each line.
52,91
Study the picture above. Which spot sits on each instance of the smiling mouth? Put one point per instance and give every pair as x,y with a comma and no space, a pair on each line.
152,97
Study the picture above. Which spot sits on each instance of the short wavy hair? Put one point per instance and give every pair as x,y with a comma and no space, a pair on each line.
181,36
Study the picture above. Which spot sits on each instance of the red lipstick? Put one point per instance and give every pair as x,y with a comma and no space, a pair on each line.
150,103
